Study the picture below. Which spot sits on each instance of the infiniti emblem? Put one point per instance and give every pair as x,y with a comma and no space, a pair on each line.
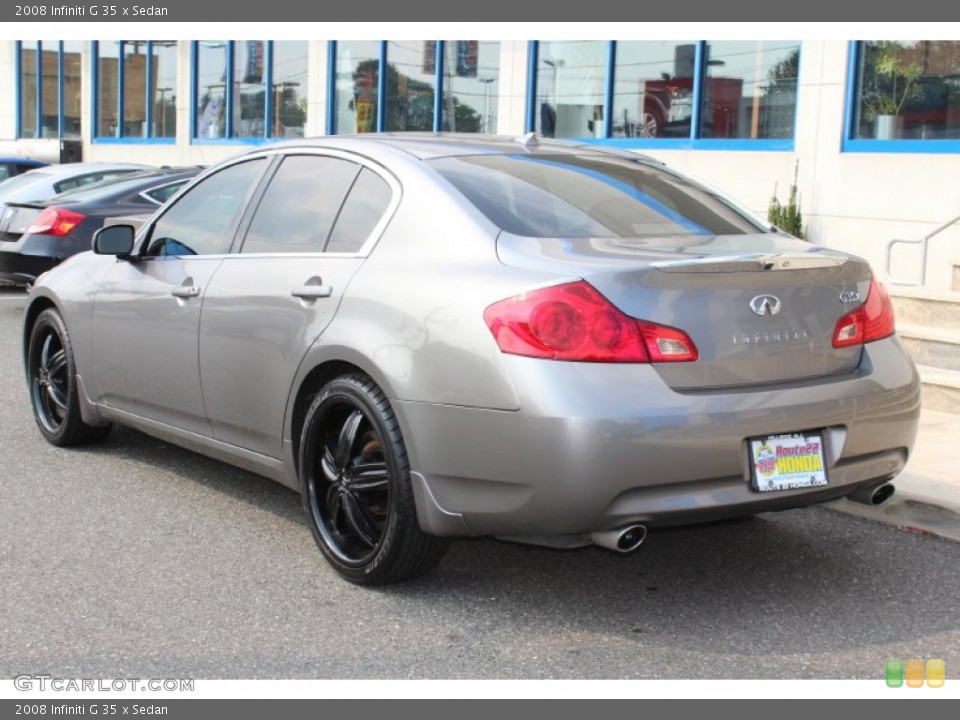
765,305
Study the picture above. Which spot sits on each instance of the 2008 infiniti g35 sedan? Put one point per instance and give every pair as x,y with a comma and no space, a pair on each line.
437,337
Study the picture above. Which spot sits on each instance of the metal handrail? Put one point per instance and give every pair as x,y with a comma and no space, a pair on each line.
923,243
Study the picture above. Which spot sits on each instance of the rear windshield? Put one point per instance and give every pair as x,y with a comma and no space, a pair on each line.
19,181
589,196
114,187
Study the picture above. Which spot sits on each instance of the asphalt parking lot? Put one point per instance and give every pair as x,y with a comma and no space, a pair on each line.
137,559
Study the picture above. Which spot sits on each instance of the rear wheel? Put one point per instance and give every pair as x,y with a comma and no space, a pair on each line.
356,486
52,375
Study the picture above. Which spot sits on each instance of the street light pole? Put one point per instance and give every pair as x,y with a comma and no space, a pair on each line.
486,101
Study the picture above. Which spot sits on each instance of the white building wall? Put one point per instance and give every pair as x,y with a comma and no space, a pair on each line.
850,201
8,91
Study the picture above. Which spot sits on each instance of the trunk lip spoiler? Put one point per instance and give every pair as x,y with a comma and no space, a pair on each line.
749,263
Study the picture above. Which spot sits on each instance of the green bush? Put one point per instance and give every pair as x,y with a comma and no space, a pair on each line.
787,217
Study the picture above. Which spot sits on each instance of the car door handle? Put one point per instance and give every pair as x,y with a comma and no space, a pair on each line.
185,291
312,292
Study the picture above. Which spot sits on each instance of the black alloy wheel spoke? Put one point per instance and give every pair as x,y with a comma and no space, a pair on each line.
57,364
368,477
328,465
334,502
358,521
45,352
57,397
348,438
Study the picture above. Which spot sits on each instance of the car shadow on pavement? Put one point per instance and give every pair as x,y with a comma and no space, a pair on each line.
739,587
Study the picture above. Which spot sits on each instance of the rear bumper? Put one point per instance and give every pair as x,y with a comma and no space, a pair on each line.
19,268
597,446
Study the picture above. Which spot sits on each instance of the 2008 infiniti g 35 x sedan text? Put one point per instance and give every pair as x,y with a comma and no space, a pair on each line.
433,337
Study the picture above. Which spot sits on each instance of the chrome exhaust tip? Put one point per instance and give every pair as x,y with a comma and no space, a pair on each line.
623,540
874,496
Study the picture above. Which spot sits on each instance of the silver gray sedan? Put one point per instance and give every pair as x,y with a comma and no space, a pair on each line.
438,337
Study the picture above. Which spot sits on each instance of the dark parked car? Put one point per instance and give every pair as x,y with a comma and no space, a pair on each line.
433,337
35,236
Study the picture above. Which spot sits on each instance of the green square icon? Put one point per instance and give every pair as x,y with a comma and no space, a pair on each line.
894,673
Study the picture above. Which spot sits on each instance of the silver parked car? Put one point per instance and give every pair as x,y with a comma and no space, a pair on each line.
433,337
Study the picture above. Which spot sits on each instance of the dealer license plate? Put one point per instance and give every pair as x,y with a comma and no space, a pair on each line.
787,462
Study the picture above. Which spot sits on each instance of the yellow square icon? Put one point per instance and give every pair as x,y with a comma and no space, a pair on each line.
936,672
914,673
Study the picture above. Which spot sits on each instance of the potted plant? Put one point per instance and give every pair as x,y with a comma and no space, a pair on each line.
887,88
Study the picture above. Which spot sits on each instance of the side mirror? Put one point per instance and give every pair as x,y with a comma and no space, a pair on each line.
114,240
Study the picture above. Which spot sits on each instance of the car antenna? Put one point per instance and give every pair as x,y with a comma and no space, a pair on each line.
528,141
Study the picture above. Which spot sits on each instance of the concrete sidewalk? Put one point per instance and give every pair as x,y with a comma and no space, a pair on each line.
928,490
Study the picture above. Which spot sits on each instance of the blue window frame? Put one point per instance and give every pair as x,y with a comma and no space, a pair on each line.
902,97
247,91
134,96
685,95
48,89
449,85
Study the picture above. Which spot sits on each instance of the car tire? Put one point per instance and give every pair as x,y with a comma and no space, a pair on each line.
355,480
52,375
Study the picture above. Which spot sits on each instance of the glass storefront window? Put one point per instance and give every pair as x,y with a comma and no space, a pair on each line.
49,90
72,64
249,88
108,77
60,68
134,89
28,91
471,86
750,89
211,89
289,89
908,90
162,93
411,84
358,75
653,89
571,79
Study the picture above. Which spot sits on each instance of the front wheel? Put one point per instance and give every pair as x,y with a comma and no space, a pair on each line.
355,479
53,384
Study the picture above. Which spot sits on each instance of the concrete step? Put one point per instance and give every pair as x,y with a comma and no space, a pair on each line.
922,307
941,388
933,346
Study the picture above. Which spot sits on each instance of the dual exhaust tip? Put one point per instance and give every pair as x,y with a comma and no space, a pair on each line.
628,538
874,495
625,539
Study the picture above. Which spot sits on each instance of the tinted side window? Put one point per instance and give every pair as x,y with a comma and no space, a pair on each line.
202,221
162,194
366,204
300,205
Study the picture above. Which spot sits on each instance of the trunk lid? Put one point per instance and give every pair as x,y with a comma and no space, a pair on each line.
760,308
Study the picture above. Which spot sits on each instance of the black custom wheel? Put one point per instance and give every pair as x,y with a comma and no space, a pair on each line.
53,387
356,486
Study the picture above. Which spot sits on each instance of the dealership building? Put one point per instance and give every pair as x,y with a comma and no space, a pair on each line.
871,129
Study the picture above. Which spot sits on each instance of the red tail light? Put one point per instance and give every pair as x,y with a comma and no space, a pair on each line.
575,322
56,221
871,321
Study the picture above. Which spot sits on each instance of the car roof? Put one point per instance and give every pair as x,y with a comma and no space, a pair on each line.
22,161
70,169
429,146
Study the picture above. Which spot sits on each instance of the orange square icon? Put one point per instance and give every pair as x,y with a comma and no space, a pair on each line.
914,673
936,672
